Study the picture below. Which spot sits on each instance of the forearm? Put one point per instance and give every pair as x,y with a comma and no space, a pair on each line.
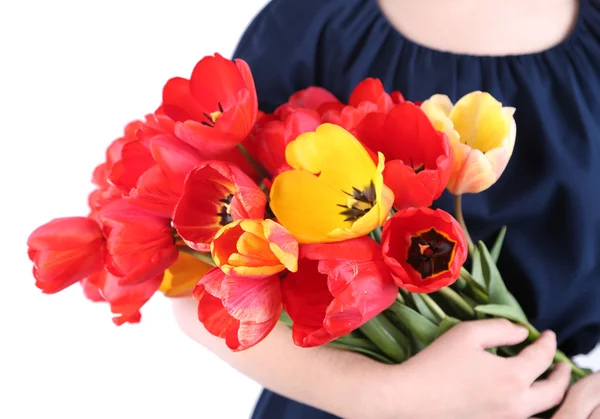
330,379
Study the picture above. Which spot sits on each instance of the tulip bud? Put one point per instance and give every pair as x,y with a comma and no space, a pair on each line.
482,134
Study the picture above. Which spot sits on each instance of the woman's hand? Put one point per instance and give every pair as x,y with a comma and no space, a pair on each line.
582,401
455,378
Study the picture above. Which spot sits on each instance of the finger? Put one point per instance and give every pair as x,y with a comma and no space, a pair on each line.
491,333
537,357
549,393
582,400
596,413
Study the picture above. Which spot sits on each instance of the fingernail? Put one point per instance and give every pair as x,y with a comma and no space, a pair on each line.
522,329
565,365
549,336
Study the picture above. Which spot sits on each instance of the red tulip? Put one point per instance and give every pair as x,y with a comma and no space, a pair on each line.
216,108
125,300
241,310
64,251
159,188
105,192
368,96
140,245
215,194
270,139
313,98
338,287
113,152
418,158
128,157
424,249
371,91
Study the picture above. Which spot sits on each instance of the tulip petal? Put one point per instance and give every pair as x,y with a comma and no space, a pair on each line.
215,79
472,171
140,245
126,300
331,167
181,278
254,249
408,186
361,248
135,160
368,90
479,120
154,193
244,311
312,98
283,245
178,102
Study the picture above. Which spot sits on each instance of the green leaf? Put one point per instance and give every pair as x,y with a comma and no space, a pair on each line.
507,312
497,247
446,324
421,328
424,309
497,290
476,268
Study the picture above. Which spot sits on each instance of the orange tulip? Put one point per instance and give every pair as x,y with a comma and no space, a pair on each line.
482,134
254,248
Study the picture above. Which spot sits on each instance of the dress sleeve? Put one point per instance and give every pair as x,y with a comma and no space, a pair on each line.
283,46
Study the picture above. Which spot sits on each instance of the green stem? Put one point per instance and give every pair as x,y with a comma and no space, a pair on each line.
259,169
386,337
458,213
575,370
204,257
400,299
457,300
377,234
360,349
433,306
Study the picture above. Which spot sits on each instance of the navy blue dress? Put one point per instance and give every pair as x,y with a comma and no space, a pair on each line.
549,195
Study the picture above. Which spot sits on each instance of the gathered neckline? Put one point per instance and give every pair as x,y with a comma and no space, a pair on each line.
564,45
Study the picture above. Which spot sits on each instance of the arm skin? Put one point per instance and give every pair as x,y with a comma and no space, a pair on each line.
336,381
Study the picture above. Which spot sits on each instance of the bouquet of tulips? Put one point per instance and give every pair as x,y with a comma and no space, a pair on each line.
318,215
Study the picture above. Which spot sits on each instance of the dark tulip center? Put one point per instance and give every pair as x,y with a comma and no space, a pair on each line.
417,168
211,118
361,202
224,213
430,253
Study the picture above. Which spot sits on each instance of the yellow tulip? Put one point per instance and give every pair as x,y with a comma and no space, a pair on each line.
335,191
181,278
482,134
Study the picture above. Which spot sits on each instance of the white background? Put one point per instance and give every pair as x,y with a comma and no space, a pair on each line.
72,73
